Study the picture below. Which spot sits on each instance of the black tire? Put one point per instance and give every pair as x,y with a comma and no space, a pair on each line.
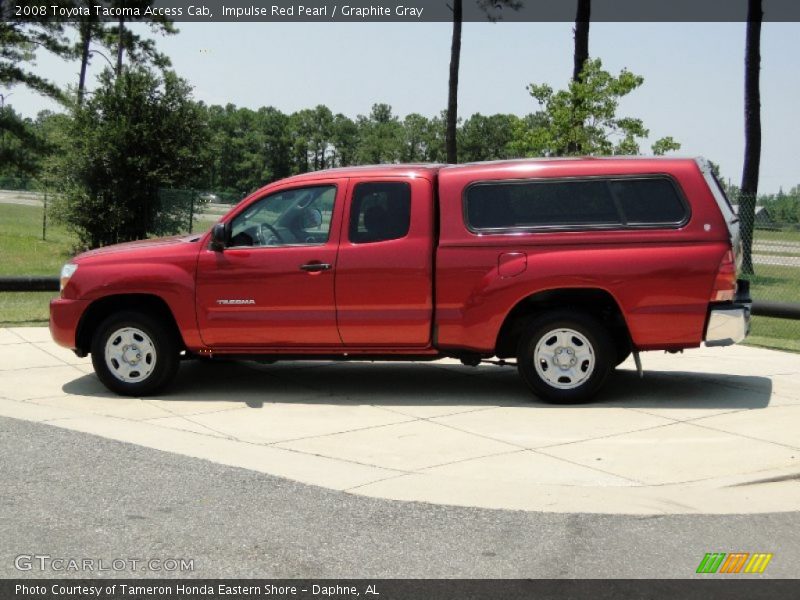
623,346
622,356
586,359
160,358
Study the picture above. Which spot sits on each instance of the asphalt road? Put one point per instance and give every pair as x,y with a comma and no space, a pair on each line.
72,495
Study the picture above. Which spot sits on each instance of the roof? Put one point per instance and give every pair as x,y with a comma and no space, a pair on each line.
520,167
570,160
377,170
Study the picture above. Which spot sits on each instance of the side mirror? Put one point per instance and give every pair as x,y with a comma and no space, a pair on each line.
312,218
219,237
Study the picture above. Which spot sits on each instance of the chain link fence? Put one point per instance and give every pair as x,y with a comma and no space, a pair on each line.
775,262
179,210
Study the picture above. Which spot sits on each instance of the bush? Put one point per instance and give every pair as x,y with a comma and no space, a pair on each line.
139,132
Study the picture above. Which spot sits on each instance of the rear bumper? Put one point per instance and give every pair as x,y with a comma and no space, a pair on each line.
727,326
730,323
64,318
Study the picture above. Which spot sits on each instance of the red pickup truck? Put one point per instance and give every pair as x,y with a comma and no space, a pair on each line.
567,265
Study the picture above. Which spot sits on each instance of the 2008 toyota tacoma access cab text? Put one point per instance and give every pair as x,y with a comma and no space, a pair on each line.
568,265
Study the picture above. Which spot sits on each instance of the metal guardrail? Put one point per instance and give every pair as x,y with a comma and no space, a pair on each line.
777,310
29,284
761,308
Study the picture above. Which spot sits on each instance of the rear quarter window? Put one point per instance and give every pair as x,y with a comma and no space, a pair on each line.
608,203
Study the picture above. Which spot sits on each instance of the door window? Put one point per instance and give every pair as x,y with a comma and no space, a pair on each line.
380,212
300,216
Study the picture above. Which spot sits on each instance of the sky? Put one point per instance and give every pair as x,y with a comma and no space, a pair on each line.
693,72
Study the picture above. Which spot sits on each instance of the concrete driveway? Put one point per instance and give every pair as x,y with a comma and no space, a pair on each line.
710,431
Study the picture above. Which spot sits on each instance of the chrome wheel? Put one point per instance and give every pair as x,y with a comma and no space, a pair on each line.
130,355
564,358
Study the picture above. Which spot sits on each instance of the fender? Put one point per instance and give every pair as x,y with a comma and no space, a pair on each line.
169,279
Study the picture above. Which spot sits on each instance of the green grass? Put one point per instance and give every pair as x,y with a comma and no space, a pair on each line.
780,334
775,283
23,252
25,309
204,222
760,235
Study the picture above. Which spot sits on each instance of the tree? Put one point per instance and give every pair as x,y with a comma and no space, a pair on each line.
138,132
19,41
530,135
248,149
89,27
452,85
320,136
581,54
487,138
423,139
344,135
582,17
784,208
53,129
752,130
584,117
492,8
119,39
273,125
413,146
312,131
380,136
21,146
435,134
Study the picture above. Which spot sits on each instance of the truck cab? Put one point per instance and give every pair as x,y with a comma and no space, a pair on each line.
349,261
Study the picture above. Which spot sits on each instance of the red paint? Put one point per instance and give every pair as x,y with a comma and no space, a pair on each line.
440,288
511,264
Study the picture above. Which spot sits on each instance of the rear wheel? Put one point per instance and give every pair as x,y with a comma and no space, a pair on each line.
134,354
565,356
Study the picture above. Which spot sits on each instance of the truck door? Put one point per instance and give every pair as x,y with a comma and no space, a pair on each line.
384,271
273,284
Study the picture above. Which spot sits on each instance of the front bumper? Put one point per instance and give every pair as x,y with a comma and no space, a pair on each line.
65,315
729,324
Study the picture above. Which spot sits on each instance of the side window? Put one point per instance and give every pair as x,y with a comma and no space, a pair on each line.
380,212
512,205
652,201
297,216
611,203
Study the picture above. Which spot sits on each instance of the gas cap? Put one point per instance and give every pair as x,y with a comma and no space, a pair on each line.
511,264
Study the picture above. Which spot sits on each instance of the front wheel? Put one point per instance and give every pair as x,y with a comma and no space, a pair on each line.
134,354
565,356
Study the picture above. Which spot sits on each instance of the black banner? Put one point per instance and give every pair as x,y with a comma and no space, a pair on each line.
397,589
412,11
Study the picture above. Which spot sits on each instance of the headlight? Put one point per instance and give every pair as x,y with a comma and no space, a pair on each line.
66,272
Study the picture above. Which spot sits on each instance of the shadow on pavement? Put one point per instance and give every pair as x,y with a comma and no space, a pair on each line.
402,384
682,389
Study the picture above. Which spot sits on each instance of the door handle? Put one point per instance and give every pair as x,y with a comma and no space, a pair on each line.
316,267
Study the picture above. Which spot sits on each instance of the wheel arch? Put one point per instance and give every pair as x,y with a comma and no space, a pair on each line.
102,308
597,302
